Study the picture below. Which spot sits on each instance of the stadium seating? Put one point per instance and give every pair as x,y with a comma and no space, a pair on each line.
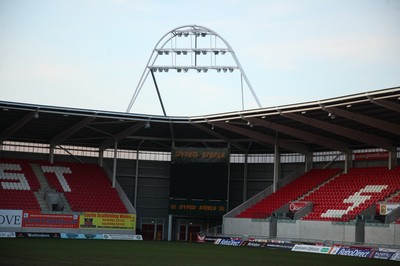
348,195
85,186
18,183
290,192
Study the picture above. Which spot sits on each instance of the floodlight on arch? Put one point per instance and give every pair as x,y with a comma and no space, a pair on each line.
192,31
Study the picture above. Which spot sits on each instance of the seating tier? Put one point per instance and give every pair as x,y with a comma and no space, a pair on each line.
348,195
290,192
85,186
17,185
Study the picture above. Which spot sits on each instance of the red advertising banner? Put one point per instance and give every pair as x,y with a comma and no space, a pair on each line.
37,219
371,156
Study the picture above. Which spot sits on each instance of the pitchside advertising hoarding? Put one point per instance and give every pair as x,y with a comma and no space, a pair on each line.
10,219
119,221
35,219
38,219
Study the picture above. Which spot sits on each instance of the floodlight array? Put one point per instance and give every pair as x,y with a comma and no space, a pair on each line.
186,69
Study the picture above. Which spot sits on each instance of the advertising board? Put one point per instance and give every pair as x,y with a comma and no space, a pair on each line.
282,246
10,219
81,236
383,255
386,208
119,221
37,219
200,155
197,207
311,249
7,235
122,237
228,242
371,156
38,235
355,252
295,206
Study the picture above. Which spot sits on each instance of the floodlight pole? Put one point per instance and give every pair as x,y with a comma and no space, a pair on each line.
158,92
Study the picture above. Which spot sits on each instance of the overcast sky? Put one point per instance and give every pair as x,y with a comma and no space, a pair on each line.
90,54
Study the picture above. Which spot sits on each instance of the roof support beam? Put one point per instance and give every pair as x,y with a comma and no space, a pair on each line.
342,131
9,131
288,145
366,120
387,104
71,131
301,134
218,135
121,135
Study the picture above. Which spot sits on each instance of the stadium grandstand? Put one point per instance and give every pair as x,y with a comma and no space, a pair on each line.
319,171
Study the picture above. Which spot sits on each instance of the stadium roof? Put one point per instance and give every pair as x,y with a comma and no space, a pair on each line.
359,121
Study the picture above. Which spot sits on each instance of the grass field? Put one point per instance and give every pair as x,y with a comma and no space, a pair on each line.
102,252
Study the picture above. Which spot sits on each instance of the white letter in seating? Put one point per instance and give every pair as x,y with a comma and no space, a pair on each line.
23,182
59,172
356,199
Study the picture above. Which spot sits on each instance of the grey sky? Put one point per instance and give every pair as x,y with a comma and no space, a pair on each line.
91,54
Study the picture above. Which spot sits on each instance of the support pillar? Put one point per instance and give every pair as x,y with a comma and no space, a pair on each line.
114,176
348,161
101,157
308,162
392,158
229,179
136,179
246,156
170,227
277,167
51,156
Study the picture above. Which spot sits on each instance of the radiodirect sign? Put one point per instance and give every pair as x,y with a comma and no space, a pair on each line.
355,252
205,155
10,219
94,220
37,219
228,242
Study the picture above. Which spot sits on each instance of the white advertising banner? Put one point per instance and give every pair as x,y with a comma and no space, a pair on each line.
312,249
386,208
10,218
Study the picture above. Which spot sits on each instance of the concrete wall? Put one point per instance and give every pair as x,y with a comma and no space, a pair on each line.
245,227
378,234
382,234
300,229
310,230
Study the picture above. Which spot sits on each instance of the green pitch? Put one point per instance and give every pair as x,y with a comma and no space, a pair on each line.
103,252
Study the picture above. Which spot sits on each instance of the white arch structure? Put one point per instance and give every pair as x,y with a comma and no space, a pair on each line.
194,32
